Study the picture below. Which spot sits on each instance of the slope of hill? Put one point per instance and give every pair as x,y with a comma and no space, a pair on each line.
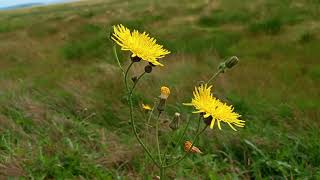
62,106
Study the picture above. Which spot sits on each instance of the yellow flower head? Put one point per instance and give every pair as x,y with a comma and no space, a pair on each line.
140,44
146,107
204,102
165,92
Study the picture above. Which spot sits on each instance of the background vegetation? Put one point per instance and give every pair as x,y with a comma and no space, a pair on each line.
63,112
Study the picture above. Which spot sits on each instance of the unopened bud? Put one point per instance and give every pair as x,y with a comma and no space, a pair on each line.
231,62
135,59
148,69
134,79
174,125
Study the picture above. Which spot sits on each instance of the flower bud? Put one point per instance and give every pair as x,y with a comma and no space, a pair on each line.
165,92
134,79
148,69
231,62
135,59
174,125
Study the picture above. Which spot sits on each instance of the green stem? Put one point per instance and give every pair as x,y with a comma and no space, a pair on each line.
214,76
133,126
184,131
166,150
117,58
134,85
150,114
186,153
162,173
126,78
157,138
179,140
147,127
199,121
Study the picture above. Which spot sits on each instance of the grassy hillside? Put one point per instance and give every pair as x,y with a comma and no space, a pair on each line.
63,112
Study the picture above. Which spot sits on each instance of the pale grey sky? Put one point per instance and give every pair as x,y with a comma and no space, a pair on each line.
6,3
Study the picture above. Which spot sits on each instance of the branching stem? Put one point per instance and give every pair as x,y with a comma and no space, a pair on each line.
133,126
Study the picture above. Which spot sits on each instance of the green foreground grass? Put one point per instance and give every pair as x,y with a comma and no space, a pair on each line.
63,112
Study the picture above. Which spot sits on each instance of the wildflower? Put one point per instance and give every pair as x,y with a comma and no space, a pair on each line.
203,100
165,92
194,149
140,44
174,125
213,109
134,79
146,107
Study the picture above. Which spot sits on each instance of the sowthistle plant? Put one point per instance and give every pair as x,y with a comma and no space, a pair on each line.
210,109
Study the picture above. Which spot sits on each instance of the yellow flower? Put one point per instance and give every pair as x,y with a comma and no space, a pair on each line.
146,107
165,92
140,44
203,100
212,108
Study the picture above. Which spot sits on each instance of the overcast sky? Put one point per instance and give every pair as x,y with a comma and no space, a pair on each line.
5,3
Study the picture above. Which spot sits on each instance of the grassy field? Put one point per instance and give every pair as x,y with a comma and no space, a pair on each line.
63,111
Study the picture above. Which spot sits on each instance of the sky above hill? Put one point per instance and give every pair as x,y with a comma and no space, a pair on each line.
7,3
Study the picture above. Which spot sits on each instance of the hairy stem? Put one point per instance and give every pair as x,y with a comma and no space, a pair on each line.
157,138
126,78
117,58
214,76
147,127
133,126
162,173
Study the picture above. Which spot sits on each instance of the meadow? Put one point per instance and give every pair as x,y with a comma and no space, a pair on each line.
63,110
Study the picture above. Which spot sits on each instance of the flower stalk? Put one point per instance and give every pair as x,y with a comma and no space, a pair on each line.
157,138
210,109
117,59
132,121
